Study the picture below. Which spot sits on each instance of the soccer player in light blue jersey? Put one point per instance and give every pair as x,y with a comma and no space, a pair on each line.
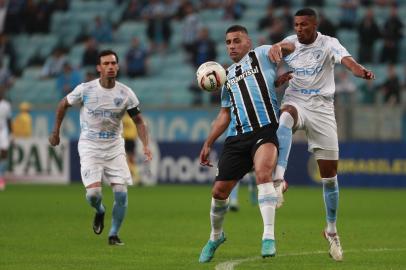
103,103
308,104
249,105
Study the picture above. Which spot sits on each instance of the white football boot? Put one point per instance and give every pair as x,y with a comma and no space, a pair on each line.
336,251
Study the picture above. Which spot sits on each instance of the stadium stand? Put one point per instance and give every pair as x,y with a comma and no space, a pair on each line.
174,72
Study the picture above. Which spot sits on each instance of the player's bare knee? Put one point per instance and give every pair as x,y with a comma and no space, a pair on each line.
220,193
263,176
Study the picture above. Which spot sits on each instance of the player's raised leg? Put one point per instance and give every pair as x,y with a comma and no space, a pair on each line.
264,163
287,121
119,209
234,207
328,172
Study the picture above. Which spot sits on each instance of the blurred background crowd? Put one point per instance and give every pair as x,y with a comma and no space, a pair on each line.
47,47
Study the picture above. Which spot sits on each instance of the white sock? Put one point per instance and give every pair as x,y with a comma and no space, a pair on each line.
279,172
267,199
331,227
217,211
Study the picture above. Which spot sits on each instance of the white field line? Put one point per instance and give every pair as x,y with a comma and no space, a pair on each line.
229,265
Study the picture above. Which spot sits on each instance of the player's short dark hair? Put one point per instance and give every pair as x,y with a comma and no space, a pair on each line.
107,52
237,28
306,12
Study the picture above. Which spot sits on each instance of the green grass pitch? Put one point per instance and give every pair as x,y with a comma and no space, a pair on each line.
49,227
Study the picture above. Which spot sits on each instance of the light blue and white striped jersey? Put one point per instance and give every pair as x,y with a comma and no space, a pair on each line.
250,93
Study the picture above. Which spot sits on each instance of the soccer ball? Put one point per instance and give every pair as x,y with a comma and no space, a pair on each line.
210,76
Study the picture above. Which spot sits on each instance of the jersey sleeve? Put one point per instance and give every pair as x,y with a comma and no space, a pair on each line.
338,52
263,50
225,98
76,96
132,100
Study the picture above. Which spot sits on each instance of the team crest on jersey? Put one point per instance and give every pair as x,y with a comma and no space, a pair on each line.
118,101
317,54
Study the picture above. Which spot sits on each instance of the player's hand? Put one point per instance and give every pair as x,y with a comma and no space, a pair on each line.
275,53
204,155
285,77
369,75
54,138
148,154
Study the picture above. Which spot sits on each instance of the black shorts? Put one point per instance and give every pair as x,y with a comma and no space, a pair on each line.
236,160
129,146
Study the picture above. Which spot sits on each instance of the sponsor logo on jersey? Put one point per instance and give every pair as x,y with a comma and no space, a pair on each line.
245,74
104,113
310,71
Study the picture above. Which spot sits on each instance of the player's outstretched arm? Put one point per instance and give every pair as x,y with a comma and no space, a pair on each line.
60,114
357,69
218,127
143,135
280,50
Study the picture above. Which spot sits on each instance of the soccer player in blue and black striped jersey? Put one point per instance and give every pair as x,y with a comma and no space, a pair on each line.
248,104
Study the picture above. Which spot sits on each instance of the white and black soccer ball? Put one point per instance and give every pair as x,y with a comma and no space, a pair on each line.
211,76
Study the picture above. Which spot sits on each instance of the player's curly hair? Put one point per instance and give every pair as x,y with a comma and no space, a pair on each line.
306,12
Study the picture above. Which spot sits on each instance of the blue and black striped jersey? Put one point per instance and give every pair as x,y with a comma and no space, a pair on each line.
250,93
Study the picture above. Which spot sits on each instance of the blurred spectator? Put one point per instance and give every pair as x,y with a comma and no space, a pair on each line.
133,10
392,36
7,49
68,79
101,30
326,27
211,4
30,13
368,33
314,3
391,87
159,30
266,21
233,10
91,53
6,78
349,11
90,76
60,5
22,123
190,27
136,59
54,63
13,22
277,31
204,49
3,12
367,92
280,3
43,16
345,88
287,18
